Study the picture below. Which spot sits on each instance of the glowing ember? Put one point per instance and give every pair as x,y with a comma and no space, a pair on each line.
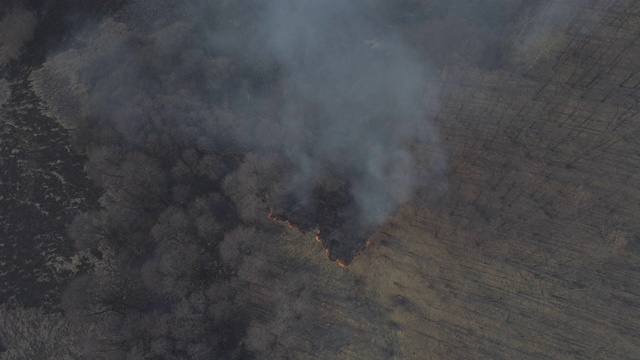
340,262
331,218
286,222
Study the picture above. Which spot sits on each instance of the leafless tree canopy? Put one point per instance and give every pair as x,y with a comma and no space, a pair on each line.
472,166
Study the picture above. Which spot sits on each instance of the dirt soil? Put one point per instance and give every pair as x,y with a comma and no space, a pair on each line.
531,252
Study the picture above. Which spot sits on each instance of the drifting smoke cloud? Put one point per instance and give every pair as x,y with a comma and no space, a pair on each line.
541,29
341,100
17,26
354,104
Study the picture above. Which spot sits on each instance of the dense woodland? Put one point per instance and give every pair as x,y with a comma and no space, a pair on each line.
473,166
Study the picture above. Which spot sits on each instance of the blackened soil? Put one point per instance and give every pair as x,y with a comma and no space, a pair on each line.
332,214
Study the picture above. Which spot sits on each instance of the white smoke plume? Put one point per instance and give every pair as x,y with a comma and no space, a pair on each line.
354,98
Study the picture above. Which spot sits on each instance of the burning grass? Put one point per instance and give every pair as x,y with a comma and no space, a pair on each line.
331,215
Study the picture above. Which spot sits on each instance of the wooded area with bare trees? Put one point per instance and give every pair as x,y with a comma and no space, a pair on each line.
416,179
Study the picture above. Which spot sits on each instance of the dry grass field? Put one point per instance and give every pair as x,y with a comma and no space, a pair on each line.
534,250
526,247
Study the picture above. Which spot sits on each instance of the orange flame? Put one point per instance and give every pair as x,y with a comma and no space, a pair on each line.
290,225
282,221
338,261
274,218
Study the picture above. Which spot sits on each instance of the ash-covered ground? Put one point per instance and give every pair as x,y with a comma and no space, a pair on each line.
330,214
180,180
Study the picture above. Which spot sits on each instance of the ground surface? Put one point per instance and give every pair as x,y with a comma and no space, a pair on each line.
43,185
532,252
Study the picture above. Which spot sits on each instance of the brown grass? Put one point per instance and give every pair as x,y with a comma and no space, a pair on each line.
533,251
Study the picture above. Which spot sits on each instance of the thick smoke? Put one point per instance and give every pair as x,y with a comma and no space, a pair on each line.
354,103
16,28
344,103
200,122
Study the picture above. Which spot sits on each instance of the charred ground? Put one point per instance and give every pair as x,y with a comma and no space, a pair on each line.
135,146
331,215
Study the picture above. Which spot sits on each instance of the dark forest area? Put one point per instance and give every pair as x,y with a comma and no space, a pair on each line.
415,179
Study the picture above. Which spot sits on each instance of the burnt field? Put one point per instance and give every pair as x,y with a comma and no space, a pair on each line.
320,180
329,214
